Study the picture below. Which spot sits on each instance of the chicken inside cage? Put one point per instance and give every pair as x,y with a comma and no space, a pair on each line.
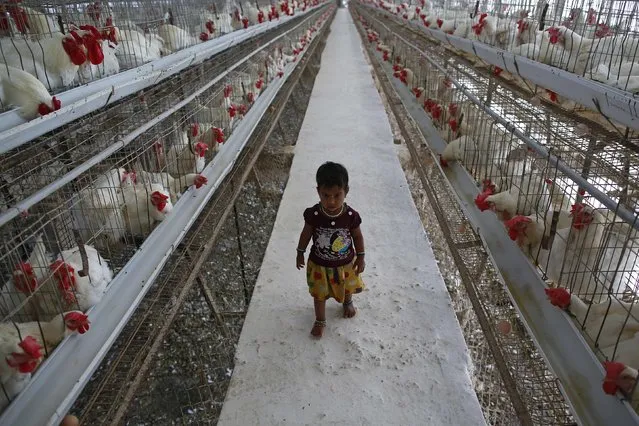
49,49
597,41
513,148
79,226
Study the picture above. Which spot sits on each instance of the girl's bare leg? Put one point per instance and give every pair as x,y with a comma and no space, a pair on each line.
320,318
349,308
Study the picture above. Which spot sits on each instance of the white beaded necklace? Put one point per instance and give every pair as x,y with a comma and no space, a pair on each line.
330,215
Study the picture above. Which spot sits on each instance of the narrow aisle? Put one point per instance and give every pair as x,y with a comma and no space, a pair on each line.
402,360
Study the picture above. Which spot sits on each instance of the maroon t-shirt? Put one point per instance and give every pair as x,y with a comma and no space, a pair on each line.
332,240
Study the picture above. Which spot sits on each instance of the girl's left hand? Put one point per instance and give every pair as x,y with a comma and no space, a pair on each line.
359,265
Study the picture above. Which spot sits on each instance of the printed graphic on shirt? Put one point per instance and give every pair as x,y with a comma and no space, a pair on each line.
332,244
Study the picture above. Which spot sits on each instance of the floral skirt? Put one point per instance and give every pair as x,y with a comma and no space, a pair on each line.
326,282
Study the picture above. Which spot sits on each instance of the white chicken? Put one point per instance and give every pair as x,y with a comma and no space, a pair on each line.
626,351
85,290
109,66
461,149
97,209
534,232
209,134
604,322
21,89
28,21
579,255
252,13
47,334
25,280
175,38
528,193
620,377
174,186
53,60
183,158
136,48
18,359
144,205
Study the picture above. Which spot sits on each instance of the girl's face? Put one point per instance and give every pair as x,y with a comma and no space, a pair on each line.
332,198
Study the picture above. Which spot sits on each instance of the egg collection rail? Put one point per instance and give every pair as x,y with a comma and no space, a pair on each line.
535,45
531,174
107,203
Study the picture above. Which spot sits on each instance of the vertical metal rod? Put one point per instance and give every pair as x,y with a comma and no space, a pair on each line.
247,298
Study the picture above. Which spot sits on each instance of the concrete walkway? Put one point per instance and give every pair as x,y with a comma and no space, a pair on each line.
402,360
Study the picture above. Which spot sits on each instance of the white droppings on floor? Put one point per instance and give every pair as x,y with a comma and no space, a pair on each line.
402,359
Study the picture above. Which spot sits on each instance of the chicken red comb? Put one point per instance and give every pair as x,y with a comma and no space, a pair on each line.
514,226
94,48
452,108
158,196
554,34
522,26
204,36
56,103
77,321
436,111
195,129
559,297
452,123
24,267
227,91
93,30
428,104
201,148
581,217
440,22
480,200
24,279
442,162
250,96
613,370
219,134
31,347
576,208
497,71
199,181
233,110
23,362
210,26
44,109
259,83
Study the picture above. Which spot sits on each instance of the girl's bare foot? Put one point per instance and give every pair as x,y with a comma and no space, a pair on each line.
349,309
318,328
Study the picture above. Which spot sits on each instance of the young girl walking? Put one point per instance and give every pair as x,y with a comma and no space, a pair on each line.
337,254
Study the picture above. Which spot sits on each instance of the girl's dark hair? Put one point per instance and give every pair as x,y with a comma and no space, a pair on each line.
332,174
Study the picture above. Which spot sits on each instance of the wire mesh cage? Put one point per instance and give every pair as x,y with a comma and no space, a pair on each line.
552,180
78,203
596,40
53,46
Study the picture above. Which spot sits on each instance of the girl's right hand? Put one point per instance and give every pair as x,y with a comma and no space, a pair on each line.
300,260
